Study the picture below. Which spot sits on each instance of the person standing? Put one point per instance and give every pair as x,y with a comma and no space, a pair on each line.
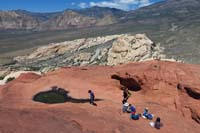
125,94
92,97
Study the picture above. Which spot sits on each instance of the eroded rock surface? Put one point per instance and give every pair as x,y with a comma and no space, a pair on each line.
170,90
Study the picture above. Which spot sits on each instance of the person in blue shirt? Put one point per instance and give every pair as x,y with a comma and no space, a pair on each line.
92,97
132,108
147,115
133,115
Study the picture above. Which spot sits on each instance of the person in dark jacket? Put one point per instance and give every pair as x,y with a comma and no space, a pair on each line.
158,124
126,94
92,97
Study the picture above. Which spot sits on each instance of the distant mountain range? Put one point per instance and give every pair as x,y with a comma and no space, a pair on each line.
175,24
68,19
162,12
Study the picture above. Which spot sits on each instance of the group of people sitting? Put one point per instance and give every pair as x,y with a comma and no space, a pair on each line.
128,108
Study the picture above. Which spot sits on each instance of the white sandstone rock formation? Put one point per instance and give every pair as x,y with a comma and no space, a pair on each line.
128,48
106,50
15,75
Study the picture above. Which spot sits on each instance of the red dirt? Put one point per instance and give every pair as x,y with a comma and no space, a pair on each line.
179,108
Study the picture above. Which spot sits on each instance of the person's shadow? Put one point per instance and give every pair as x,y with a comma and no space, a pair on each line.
75,100
94,104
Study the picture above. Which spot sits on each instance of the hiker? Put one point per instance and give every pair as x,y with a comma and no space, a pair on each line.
92,96
157,124
125,106
147,115
133,115
126,94
132,108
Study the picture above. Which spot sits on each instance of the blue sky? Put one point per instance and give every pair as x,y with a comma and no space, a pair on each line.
59,5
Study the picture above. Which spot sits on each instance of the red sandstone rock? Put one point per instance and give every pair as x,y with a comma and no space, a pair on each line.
179,108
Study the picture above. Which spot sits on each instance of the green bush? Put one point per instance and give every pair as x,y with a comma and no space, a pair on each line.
10,79
1,78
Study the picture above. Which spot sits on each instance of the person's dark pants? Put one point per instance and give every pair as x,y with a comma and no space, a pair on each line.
91,100
125,98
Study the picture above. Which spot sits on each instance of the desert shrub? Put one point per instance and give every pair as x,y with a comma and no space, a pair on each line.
10,79
1,77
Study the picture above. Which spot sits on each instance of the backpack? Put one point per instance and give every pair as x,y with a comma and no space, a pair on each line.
129,94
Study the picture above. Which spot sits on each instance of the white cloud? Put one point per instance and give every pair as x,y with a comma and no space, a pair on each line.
109,4
128,1
83,5
120,4
144,3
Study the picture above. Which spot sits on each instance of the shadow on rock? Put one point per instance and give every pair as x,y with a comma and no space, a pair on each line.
59,95
128,82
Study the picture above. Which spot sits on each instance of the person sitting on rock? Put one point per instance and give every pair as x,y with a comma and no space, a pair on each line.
147,115
157,124
132,108
92,97
125,106
133,115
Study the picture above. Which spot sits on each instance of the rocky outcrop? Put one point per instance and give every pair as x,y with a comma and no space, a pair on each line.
107,50
132,48
178,107
193,91
14,75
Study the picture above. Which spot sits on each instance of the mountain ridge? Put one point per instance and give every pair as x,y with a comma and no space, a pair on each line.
9,19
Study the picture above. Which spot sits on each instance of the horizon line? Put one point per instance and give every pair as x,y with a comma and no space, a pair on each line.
73,9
